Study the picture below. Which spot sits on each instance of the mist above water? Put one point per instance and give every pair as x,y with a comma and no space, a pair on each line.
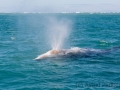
58,31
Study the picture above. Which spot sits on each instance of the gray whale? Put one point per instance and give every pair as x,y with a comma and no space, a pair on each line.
75,51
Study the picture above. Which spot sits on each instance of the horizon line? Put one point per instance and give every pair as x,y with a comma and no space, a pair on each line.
58,12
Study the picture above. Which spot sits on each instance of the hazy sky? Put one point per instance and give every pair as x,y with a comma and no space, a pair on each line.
59,5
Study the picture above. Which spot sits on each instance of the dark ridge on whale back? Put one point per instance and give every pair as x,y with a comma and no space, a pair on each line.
113,49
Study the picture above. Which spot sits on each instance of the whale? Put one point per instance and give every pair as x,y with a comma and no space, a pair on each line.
74,52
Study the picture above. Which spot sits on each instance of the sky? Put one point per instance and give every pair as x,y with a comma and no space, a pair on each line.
59,6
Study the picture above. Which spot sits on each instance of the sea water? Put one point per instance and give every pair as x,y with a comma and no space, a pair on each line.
25,36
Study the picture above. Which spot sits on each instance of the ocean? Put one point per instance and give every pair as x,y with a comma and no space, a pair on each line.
24,36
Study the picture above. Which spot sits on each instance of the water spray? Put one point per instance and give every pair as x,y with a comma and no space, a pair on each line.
58,31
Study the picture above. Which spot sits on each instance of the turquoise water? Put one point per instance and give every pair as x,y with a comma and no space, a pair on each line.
25,36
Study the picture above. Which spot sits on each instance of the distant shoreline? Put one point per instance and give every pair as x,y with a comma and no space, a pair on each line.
59,12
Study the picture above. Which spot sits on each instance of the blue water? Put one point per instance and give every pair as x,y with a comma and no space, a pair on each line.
23,37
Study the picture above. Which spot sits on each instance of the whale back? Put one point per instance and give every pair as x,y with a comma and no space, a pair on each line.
75,51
